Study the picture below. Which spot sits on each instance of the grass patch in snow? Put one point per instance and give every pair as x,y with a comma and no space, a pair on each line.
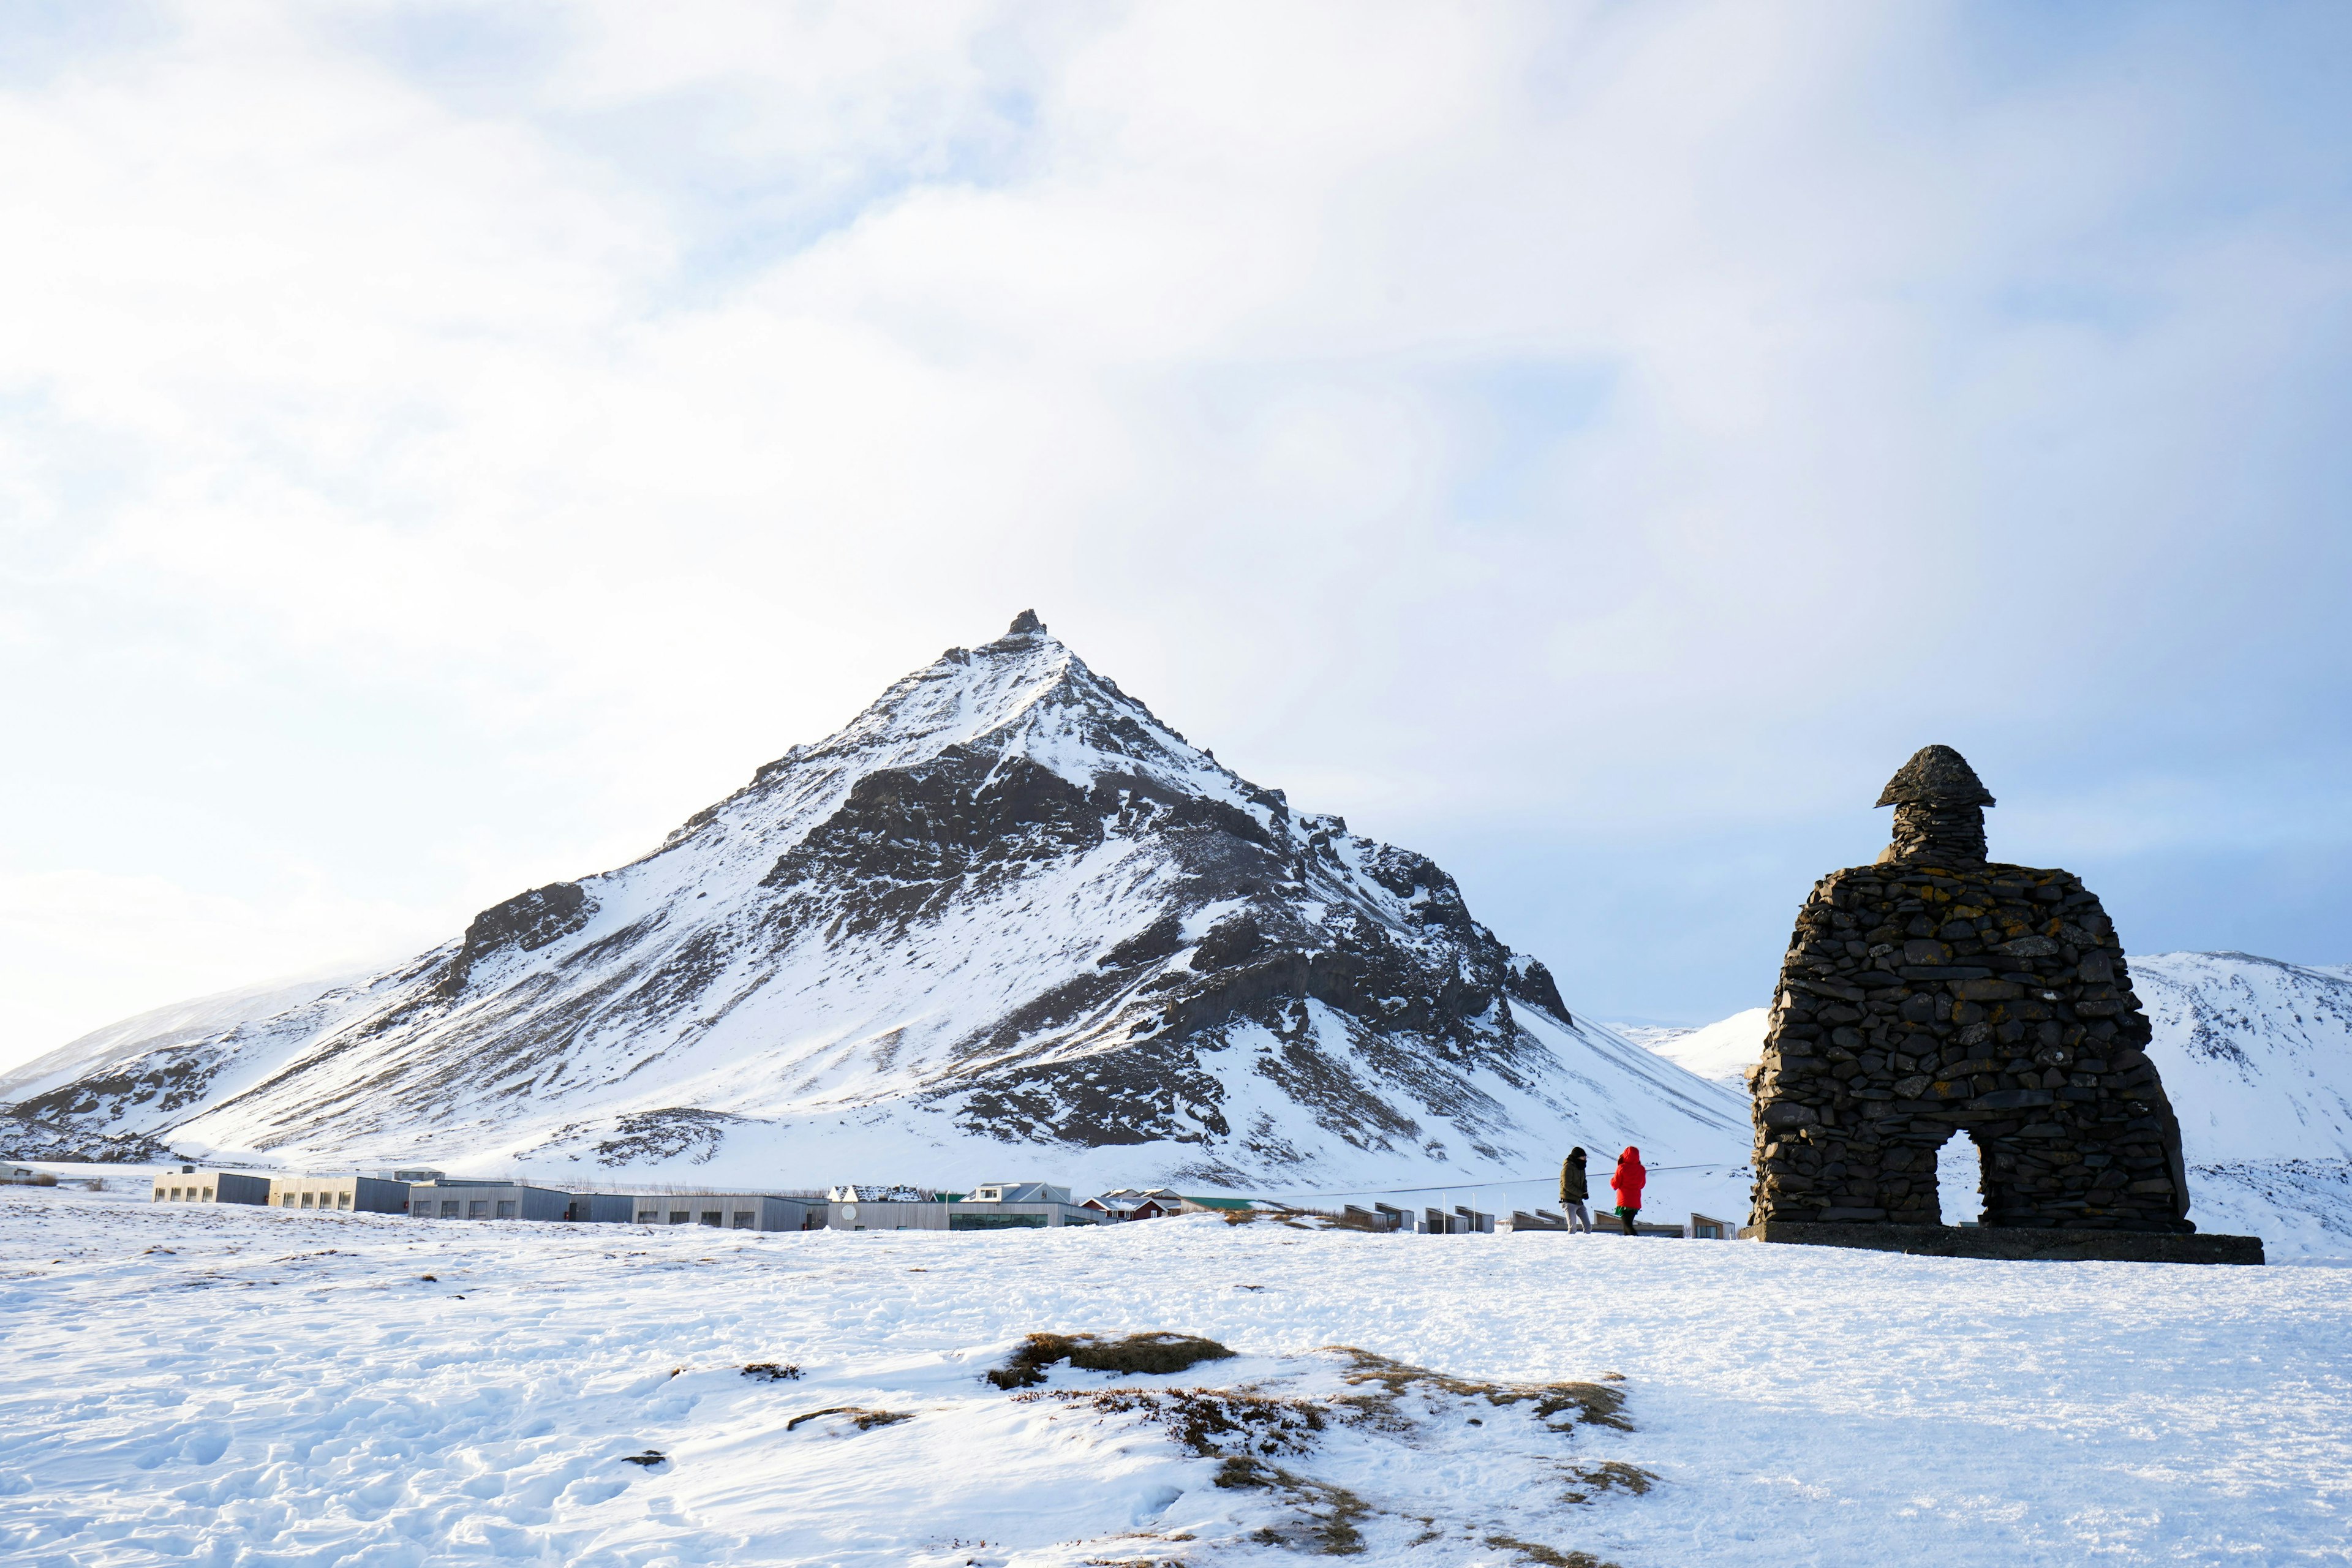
771,1371
857,1415
1211,1421
1326,1521
1136,1355
1552,1556
1594,1402
1609,1476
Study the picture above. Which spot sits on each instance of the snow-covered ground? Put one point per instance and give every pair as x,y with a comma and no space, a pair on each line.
246,1386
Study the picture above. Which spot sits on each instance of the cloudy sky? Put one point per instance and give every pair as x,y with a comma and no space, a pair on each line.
443,446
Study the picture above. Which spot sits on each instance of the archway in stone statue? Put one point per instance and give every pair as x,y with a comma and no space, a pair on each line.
1960,1177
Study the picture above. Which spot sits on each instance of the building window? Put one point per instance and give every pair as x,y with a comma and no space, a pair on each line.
743,1219
506,1209
649,1217
306,1200
422,1207
713,1217
208,1194
287,1202
478,1209
679,1216
160,1194
448,1208
993,1221
342,1200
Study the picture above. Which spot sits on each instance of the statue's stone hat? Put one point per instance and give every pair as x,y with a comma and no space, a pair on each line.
1936,776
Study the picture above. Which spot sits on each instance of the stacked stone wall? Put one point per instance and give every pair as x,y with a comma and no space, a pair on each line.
1993,999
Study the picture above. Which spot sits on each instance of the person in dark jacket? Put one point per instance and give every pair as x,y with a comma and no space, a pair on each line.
1573,1190
1628,1183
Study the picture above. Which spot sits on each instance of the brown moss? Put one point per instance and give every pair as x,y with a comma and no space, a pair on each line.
1607,1475
1211,1421
1150,1356
865,1420
1535,1552
1593,1403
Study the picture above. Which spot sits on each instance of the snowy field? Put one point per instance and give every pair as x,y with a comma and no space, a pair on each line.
228,1385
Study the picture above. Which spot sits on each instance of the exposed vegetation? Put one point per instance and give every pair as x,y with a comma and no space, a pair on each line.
1552,1556
1151,1355
771,1371
865,1420
1212,1421
1591,1402
1590,1480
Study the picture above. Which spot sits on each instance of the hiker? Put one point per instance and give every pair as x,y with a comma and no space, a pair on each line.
1628,1183
1573,1191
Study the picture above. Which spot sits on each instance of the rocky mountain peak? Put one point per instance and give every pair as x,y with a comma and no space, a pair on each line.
1004,905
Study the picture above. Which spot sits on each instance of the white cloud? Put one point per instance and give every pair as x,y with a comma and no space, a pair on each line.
505,427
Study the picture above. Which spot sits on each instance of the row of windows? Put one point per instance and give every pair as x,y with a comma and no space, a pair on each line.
463,1208
744,1218
174,1195
325,1200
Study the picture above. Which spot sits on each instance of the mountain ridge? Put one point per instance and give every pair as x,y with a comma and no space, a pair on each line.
1004,908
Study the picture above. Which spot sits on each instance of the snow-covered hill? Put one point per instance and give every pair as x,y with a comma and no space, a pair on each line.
2256,1056
1004,919
1721,1052
181,1023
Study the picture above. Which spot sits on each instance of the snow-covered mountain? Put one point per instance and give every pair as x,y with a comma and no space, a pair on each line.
1721,1052
1004,918
2256,1056
179,1023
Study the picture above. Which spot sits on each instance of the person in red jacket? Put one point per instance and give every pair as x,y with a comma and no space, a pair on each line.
1627,1184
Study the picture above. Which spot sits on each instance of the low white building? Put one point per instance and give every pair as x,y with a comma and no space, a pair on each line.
728,1211
464,1199
338,1195
188,1184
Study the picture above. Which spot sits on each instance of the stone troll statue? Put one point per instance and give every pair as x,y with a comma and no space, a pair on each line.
1936,991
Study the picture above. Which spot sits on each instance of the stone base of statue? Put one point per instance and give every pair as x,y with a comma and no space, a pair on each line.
2014,1242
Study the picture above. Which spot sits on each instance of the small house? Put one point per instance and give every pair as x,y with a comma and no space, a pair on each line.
1018,1193
1117,1208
